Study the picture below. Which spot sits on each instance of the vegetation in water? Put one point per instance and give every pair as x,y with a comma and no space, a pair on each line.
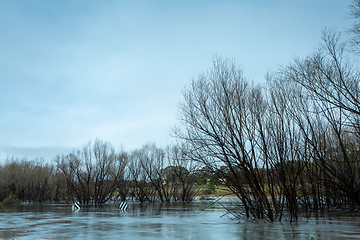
98,173
289,147
12,199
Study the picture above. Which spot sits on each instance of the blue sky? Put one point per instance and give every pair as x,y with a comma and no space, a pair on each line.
72,71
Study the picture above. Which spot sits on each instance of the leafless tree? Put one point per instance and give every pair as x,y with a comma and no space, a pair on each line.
330,76
326,107
95,173
161,175
180,175
220,121
144,172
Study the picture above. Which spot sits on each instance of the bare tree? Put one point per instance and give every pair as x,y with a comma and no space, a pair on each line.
331,77
219,118
94,174
326,108
144,171
180,175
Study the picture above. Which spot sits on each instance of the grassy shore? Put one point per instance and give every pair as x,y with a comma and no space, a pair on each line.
213,191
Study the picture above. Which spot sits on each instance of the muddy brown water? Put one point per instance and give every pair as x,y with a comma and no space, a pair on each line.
161,221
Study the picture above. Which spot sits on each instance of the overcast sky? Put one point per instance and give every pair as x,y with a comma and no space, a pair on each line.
76,70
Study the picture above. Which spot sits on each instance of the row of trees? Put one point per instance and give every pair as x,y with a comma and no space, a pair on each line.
290,146
97,173
30,181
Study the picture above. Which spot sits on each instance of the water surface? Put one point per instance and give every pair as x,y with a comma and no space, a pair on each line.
160,221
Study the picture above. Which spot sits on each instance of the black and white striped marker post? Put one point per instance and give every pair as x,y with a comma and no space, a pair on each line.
76,206
123,206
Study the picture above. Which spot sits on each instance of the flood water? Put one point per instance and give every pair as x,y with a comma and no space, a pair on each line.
160,221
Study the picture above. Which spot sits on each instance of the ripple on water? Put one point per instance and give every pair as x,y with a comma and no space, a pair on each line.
160,221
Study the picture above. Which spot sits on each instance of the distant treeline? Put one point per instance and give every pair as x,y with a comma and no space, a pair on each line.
98,173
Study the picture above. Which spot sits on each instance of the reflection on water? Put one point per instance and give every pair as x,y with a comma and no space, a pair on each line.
159,221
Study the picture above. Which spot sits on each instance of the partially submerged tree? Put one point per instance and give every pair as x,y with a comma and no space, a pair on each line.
181,174
161,175
95,173
30,181
327,109
220,117
306,125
